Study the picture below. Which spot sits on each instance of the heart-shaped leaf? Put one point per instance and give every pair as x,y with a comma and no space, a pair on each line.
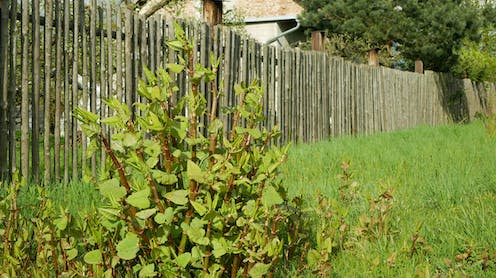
93,257
178,197
128,247
140,199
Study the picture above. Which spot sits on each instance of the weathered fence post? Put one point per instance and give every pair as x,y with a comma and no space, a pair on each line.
419,66
318,41
4,33
373,57
212,12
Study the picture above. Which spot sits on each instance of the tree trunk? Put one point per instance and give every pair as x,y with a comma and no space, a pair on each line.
152,6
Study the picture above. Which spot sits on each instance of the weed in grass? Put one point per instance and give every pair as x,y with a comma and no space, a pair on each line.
444,201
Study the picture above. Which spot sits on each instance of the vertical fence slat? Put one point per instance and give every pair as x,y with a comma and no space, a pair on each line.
4,41
74,102
58,89
103,81
128,53
118,55
24,92
93,79
84,99
66,121
13,88
47,99
35,110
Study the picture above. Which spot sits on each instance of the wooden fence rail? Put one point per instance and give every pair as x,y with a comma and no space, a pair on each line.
56,55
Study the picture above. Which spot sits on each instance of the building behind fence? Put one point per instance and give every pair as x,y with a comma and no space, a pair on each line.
57,55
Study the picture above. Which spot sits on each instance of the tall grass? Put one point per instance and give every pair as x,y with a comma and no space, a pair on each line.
444,186
76,197
444,193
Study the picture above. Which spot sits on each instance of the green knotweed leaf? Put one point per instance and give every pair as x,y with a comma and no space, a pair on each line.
150,76
313,258
220,247
71,253
93,257
114,121
109,213
85,116
163,177
178,197
250,209
183,260
195,231
112,190
152,148
215,126
271,197
259,270
61,223
165,217
238,89
144,214
176,45
194,172
155,93
152,161
128,247
175,68
130,140
199,208
140,199
148,271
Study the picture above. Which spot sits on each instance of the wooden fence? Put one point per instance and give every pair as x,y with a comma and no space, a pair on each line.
56,55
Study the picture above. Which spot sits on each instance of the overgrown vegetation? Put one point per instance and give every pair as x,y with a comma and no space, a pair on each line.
410,203
416,203
445,35
180,198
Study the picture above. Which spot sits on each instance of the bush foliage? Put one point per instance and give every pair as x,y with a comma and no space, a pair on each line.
182,198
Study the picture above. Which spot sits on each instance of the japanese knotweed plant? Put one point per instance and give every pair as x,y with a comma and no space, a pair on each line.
184,198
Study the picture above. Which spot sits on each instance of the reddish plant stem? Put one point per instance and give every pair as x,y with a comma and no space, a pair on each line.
213,115
55,256
247,269
237,115
125,184
117,164
165,142
208,253
64,256
235,266
166,153
151,183
193,185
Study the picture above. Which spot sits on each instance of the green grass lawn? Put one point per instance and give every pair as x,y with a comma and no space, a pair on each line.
443,183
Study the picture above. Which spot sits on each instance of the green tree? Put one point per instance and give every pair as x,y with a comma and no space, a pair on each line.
477,60
433,31
430,30
369,22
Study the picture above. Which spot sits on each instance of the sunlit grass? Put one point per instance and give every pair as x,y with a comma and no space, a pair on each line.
444,188
443,184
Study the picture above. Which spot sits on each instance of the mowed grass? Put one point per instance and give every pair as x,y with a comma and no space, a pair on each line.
443,183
